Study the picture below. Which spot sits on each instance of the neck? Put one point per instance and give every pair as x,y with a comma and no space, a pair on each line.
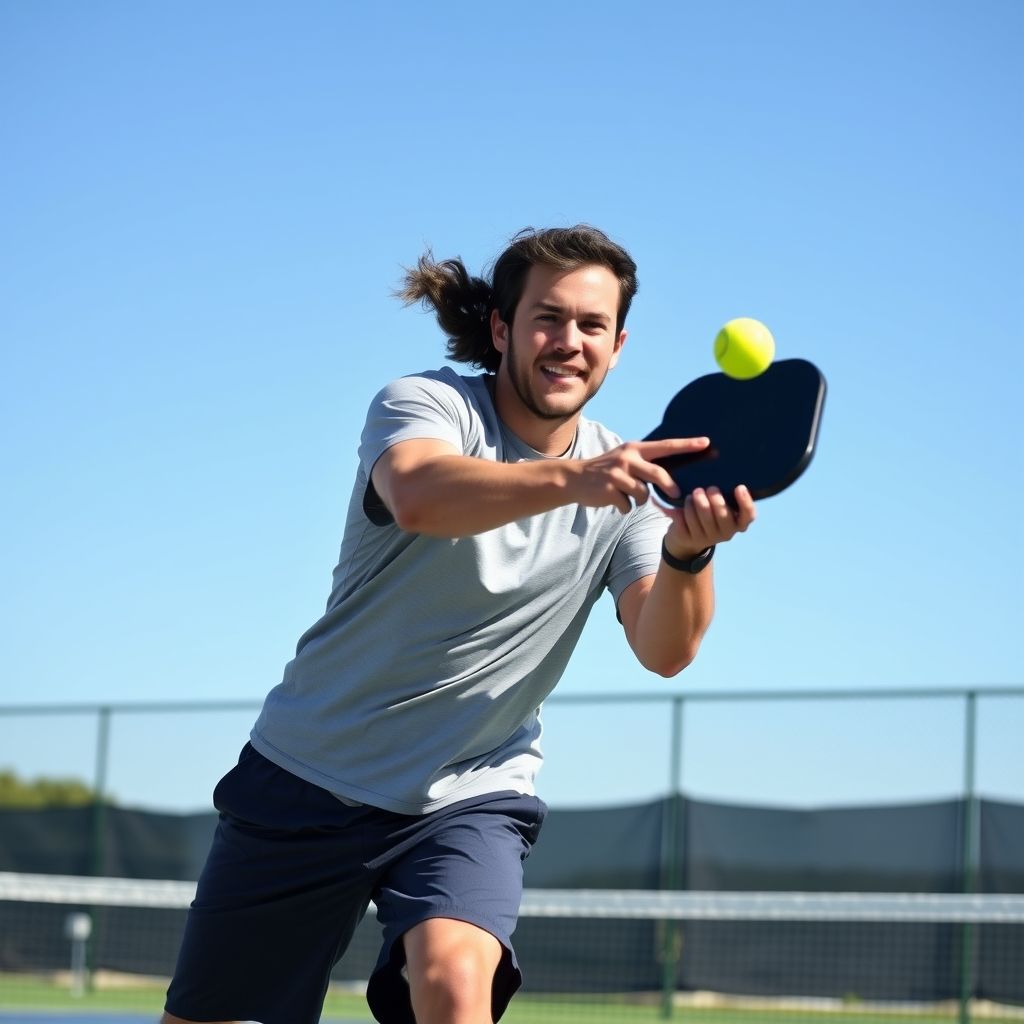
551,436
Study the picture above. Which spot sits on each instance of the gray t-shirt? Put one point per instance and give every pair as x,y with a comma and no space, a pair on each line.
422,683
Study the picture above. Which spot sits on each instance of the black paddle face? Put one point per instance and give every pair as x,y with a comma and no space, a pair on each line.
763,431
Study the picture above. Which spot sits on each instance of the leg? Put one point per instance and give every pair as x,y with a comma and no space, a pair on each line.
451,968
448,902
280,896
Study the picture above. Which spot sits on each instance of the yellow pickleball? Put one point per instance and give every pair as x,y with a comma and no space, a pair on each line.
744,348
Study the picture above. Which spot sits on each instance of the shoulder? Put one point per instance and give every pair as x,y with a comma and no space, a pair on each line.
443,388
437,404
441,381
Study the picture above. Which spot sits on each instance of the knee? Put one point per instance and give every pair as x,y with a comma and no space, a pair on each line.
455,985
452,983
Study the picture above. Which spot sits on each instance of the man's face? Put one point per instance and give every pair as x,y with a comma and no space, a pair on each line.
563,340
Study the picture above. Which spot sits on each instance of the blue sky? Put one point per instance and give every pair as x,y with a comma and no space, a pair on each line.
203,211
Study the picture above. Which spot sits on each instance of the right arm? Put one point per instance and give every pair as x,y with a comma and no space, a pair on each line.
431,488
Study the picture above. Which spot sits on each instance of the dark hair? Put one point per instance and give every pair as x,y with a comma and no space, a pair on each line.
463,303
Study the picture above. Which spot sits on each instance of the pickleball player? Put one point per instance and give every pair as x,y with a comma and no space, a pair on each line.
396,761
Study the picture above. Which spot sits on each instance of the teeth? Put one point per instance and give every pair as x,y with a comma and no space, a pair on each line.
561,371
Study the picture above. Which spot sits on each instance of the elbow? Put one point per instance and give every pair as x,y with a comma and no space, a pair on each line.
408,509
408,516
670,667
423,519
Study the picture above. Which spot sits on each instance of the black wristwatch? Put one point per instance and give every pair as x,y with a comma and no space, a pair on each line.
691,565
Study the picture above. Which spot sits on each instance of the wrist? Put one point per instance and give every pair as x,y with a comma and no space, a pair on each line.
692,562
681,548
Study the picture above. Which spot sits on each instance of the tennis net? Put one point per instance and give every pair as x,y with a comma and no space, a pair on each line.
108,945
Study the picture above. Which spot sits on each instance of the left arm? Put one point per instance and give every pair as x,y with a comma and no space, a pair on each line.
666,615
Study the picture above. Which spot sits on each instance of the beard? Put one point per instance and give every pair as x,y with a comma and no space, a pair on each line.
520,376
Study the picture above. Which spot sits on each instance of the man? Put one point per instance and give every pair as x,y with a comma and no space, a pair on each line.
395,761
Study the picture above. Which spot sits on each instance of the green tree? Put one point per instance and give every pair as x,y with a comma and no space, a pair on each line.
43,792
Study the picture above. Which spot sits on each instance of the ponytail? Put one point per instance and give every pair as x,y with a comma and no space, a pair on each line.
463,306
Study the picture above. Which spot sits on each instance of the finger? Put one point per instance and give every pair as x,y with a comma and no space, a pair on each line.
746,511
644,473
680,527
632,482
725,522
660,478
671,446
624,503
691,523
704,513
629,492
657,475
663,504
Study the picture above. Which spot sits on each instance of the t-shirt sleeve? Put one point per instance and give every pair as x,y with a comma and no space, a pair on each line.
410,408
638,551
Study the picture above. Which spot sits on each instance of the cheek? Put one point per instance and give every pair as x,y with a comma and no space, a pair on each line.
600,356
530,343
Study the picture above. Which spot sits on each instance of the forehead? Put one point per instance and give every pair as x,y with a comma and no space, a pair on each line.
591,288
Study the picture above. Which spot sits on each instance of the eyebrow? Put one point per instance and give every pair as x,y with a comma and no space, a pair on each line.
553,307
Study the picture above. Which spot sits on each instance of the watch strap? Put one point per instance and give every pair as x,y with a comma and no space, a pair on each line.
691,565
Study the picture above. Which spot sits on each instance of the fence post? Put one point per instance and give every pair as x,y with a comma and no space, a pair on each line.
970,853
99,835
99,797
672,853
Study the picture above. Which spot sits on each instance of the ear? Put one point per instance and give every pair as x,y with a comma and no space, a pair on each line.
619,342
499,332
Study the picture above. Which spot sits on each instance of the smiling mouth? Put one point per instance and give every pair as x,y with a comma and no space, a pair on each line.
560,373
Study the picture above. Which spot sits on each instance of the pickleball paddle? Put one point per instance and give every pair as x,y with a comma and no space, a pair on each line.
763,430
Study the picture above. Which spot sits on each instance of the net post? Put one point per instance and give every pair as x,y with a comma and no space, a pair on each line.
671,945
969,853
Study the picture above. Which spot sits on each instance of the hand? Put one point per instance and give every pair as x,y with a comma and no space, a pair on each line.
706,519
621,477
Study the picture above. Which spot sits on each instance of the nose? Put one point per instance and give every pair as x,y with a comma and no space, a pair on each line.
568,338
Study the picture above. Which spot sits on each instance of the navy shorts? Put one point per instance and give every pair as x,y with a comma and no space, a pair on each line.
292,871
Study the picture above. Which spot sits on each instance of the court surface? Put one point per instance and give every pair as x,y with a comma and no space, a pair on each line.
44,1017
29,1017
